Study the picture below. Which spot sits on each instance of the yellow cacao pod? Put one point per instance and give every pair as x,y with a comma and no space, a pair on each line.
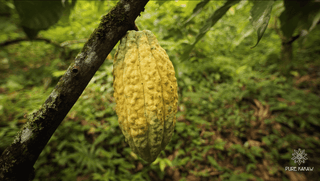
145,90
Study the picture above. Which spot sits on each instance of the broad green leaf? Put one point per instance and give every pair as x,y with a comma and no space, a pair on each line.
211,21
289,18
260,16
316,19
237,41
38,15
196,10
310,15
300,14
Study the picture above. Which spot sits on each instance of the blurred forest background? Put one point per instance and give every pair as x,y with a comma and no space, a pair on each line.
242,111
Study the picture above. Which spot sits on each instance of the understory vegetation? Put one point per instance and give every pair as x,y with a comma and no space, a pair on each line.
239,117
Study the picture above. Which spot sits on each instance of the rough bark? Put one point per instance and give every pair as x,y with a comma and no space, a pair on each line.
16,162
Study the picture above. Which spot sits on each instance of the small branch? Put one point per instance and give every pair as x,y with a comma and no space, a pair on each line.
9,42
283,39
70,42
292,39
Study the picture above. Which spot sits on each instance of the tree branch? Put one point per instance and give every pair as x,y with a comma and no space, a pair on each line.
16,162
292,39
9,42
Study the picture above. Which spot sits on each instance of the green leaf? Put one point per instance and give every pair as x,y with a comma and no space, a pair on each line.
260,16
211,21
214,163
294,73
266,141
309,15
58,73
162,165
38,15
31,33
315,20
100,138
184,161
219,144
160,2
289,18
196,10
250,166
300,14
168,162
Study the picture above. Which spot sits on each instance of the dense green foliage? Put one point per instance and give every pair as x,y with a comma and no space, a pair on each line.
239,117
